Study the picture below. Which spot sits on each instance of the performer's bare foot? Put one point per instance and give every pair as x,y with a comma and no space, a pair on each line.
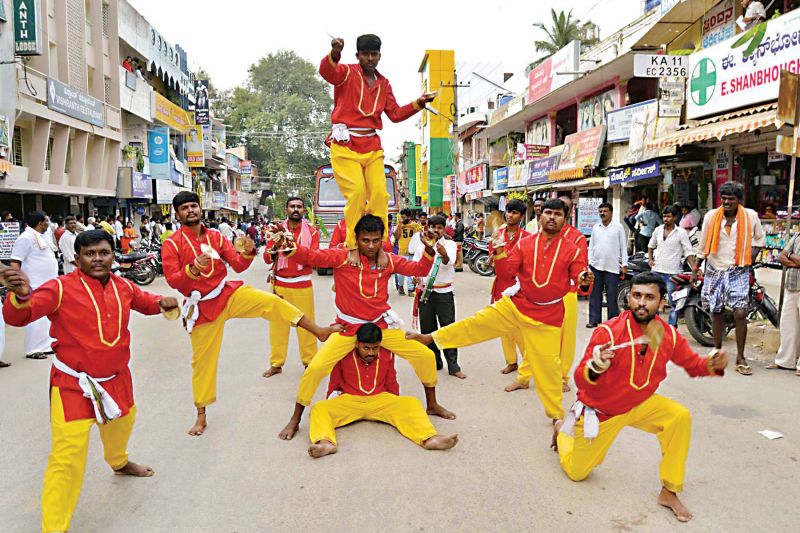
382,261
459,375
516,386
509,368
135,470
670,500
556,428
438,410
565,387
425,339
272,371
288,432
321,449
200,424
320,332
354,258
439,442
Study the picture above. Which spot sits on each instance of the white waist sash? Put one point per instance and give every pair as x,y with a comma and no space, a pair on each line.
189,310
297,279
515,288
105,408
391,318
341,133
591,424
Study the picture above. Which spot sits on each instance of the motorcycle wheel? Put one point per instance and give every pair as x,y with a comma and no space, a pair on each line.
699,324
471,264
144,275
483,265
770,310
623,293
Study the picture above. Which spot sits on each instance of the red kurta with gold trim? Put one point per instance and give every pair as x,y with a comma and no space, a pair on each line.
89,322
294,268
362,292
572,234
544,274
633,377
340,235
501,280
180,251
358,105
351,375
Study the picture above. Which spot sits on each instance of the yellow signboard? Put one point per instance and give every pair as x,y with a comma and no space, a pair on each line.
194,147
172,115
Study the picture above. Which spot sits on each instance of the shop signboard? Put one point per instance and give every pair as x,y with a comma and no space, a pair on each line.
582,149
246,183
74,103
719,23
164,192
27,28
725,77
666,5
233,200
588,214
141,186
660,66
208,147
592,111
500,179
549,75
539,132
246,166
646,128
539,169
672,94
516,176
233,163
201,111
195,157
170,114
619,121
158,149
535,151
474,178
641,171
9,231
219,199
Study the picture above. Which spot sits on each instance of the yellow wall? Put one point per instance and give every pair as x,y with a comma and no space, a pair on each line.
438,70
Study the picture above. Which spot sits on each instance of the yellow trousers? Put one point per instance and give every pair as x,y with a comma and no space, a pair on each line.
362,181
540,344
510,345
246,302
303,299
403,412
63,477
569,332
668,419
337,346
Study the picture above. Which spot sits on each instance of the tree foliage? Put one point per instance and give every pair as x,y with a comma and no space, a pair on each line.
564,29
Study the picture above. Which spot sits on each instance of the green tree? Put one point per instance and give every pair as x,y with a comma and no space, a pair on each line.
563,30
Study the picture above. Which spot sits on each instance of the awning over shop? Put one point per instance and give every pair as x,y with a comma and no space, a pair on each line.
717,130
588,183
567,174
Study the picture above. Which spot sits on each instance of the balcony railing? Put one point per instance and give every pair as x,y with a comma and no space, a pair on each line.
135,94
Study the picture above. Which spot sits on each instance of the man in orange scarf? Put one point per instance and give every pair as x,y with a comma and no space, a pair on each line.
732,236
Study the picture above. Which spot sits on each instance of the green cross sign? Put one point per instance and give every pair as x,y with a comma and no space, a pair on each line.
703,82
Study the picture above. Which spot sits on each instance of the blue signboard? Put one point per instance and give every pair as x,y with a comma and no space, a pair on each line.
158,146
539,169
639,171
501,179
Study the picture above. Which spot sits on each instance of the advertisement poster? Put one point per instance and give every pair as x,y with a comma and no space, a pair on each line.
9,231
592,111
544,80
619,121
158,148
588,214
583,149
539,169
646,128
172,115
194,147
201,111
500,179
516,176
539,132
535,151
473,179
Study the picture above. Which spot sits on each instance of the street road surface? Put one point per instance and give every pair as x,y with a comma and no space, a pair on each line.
502,476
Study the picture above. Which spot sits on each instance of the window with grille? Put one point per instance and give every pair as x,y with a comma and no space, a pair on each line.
105,20
107,88
17,147
49,153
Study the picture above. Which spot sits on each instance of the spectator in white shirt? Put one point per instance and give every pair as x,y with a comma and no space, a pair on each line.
33,255
90,223
754,13
226,229
608,256
119,229
670,245
67,244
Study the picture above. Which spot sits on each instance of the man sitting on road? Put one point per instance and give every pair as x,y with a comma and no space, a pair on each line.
361,390
625,362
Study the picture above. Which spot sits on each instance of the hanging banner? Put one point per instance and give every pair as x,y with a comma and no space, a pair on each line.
500,179
552,72
194,147
473,179
201,110
172,115
646,128
583,149
592,111
158,148
619,121
535,151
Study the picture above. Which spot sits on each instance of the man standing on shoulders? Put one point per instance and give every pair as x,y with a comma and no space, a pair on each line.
670,245
434,303
608,255
33,256
291,281
731,238
787,356
403,233
67,244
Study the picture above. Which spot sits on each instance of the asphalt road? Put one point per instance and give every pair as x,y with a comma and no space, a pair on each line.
502,476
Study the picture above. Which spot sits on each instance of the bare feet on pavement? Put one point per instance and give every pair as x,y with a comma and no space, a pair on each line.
565,387
135,470
516,386
440,442
419,337
272,371
509,368
288,432
438,410
200,424
670,500
321,449
556,428
459,375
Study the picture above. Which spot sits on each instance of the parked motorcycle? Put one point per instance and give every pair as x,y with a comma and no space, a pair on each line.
154,248
637,263
479,261
137,267
687,298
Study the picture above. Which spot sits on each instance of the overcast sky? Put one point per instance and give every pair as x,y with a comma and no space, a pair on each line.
225,38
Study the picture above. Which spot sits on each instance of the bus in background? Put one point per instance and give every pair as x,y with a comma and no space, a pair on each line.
329,202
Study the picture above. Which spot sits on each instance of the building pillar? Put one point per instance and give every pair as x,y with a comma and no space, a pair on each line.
77,171
94,159
58,154
39,140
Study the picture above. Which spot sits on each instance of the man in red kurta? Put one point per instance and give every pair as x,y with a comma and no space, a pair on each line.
89,310
363,386
291,280
340,234
362,296
195,261
624,364
545,265
361,95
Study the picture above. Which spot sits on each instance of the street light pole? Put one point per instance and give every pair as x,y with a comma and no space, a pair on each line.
455,86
